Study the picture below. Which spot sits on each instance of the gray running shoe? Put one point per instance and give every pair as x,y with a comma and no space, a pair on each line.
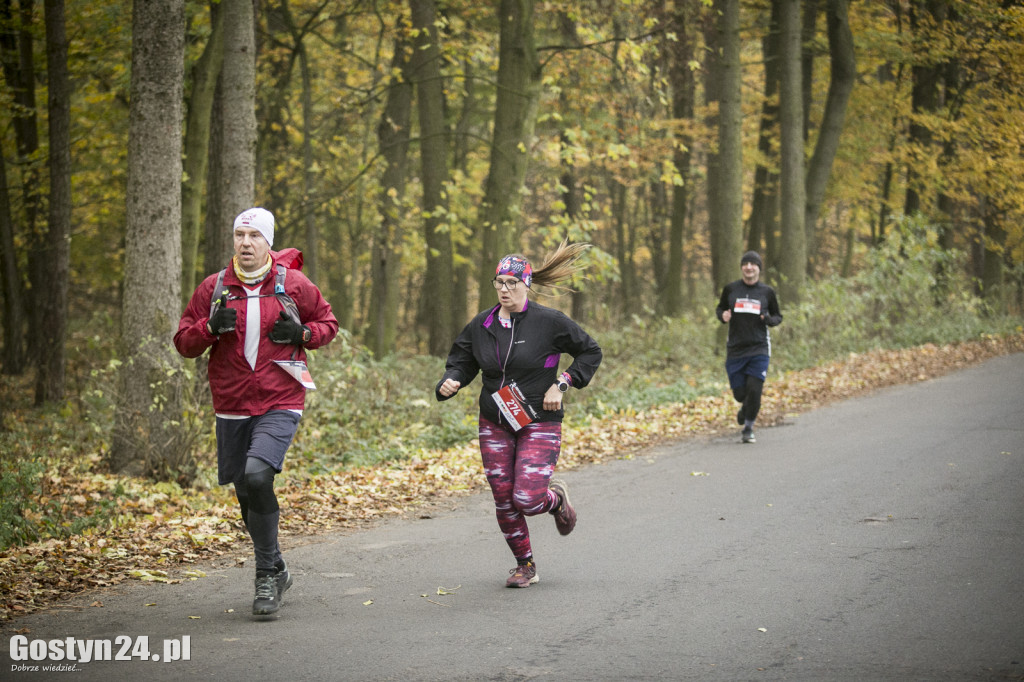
748,436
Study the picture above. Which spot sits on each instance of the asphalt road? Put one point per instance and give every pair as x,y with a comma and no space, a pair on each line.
881,538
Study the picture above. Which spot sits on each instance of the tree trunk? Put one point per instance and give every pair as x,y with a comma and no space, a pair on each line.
147,436
197,145
793,258
426,69
808,31
386,264
312,232
683,97
12,289
519,86
619,198
56,250
217,246
16,56
763,222
925,98
237,140
993,269
463,243
725,167
843,74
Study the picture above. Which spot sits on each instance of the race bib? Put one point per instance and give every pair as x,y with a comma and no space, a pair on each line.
513,406
747,305
297,370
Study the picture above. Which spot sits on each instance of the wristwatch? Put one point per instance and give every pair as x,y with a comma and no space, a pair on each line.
562,384
307,334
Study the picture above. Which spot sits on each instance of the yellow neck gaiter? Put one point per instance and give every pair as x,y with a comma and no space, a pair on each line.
251,277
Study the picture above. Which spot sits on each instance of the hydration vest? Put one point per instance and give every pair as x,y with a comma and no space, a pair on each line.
286,301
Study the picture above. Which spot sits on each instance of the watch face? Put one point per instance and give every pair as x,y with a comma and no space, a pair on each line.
563,386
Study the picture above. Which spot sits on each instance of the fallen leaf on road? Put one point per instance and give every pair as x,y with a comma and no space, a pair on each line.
367,602
447,606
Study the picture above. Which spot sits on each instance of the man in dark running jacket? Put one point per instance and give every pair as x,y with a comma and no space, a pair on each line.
749,307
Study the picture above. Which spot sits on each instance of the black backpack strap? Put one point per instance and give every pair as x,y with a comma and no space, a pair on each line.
286,301
217,292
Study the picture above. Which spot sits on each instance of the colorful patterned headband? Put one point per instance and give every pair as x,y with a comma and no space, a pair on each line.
517,267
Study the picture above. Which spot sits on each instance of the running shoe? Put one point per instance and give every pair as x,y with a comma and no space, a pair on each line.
268,599
741,419
523,575
284,581
564,513
748,436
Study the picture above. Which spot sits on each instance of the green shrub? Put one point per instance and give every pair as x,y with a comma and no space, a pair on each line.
895,301
19,481
32,505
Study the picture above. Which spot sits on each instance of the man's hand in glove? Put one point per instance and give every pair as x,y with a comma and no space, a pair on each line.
287,330
223,319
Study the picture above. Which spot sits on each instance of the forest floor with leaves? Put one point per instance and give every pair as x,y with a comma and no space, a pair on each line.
161,537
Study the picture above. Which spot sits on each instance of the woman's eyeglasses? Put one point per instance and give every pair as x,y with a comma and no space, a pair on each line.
509,284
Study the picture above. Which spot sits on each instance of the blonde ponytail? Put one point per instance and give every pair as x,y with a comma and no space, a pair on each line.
560,265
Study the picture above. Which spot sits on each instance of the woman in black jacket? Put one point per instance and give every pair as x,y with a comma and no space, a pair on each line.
516,346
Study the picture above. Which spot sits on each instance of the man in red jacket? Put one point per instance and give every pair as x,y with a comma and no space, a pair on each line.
258,325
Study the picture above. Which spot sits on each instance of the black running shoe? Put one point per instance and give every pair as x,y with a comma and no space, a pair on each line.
741,418
284,581
748,436
268,599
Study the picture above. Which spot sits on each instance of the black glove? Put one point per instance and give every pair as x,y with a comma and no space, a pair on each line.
287,330
223,319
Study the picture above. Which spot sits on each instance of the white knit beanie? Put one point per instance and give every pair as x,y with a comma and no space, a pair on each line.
258,218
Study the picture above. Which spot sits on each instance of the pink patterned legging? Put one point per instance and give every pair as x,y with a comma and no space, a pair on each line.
518,465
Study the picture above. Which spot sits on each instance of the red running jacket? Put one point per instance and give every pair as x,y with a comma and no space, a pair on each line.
236,387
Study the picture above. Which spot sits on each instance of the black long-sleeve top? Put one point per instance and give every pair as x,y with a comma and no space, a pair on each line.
754,308
528,352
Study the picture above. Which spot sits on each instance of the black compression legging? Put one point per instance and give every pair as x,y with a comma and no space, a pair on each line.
260,511
750,395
